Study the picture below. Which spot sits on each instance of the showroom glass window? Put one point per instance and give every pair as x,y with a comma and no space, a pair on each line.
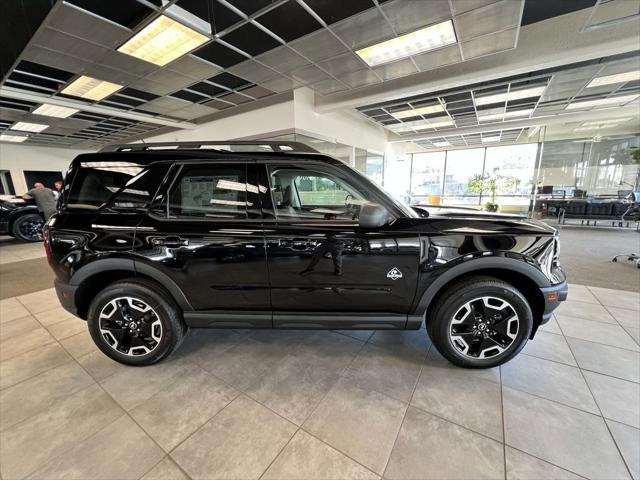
313,193
213,191
461,167
427,174
514,166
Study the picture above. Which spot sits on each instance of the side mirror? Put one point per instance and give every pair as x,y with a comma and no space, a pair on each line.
372,215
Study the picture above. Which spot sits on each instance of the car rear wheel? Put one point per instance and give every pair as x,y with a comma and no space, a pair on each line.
28,228
135,322
480,322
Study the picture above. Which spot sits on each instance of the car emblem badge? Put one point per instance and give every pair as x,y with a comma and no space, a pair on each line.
394,274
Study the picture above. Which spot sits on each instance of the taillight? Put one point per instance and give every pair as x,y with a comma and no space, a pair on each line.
46,236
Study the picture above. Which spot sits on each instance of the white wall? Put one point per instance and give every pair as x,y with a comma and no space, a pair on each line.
18,158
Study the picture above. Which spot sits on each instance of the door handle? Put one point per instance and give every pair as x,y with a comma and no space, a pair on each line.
171,241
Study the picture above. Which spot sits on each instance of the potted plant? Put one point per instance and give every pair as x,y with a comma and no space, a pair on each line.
491,183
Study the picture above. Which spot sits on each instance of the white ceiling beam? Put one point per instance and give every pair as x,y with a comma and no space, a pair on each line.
551,43
17,94
604,113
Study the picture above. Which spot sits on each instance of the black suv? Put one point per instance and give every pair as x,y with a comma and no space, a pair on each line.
152,239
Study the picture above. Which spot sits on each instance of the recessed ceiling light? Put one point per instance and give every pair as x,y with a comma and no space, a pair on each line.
441,144
162,41
512,95
28,127
615,78
413,112
490,139
511,114
423,40
54,111
91,88
12,138
602,102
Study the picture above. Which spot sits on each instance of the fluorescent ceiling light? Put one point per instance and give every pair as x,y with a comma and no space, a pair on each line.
490,139
12,138
615,78
602,102
54,111
423,40
418,111
511,114
28,127
441,144
91,88
512,95
162,41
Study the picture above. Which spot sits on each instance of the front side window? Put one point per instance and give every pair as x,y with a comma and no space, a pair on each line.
300,192
212,191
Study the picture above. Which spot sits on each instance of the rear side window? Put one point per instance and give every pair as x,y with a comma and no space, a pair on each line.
119,184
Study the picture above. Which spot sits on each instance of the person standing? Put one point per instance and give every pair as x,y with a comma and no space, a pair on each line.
44,198
57,185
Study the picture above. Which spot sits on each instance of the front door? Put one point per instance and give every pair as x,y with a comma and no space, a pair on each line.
206,235
320,260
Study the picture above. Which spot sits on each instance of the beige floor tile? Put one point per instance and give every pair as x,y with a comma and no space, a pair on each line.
617,298
634,333
431,448
27,446
626,318
362,335
17,327
628,440
590,311
619,400
607,360
202,345
31,363
581,293
25,342
295,385
165,470
551,380
99,365
306,457
80,344
67,328
40,301
550,347
393,372
551,327
521,466
416,341
571,439
606,334
54,315
133,385
344,420
10,309
38,393
119,451
240,442
181,408
462,396
6,257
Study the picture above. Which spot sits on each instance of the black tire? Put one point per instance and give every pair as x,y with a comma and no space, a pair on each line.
454,301
28,228
163,310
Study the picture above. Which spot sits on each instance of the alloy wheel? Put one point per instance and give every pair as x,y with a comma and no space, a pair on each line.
130,326
31,229
484,327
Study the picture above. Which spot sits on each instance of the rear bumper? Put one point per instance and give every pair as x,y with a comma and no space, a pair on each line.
552,297
66,295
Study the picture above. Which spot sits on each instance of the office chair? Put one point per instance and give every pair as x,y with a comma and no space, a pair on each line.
634,213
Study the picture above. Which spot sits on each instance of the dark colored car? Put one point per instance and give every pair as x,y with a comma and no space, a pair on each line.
20,219
152,239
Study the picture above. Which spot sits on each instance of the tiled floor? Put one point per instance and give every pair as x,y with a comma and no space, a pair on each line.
303,405
12,250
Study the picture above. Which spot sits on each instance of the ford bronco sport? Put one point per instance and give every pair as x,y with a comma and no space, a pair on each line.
151,239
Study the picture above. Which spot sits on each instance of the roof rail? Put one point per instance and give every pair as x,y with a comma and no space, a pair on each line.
228,146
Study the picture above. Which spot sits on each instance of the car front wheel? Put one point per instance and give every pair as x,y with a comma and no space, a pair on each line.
480,322
28,228
135,323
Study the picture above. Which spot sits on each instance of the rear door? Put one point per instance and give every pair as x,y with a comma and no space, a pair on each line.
205,233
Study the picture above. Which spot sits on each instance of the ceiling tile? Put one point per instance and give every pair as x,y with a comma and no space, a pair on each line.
153,87
128,13
461,6
328,86
193,67
364,30
109,74
251,39
257,91
319,46
253,71
207,89
120,61
164,105
282,59
193,111
438,58
410,15
498,16
342,64
332,11
396,69
228,80
68,45
488,44
289,21
218,54
189,96
309,74
79,23
170,78
217,104
235,98
280,84
250,6
37,54
216,14
359,78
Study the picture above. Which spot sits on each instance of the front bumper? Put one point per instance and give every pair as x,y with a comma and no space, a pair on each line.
552,297
66,295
